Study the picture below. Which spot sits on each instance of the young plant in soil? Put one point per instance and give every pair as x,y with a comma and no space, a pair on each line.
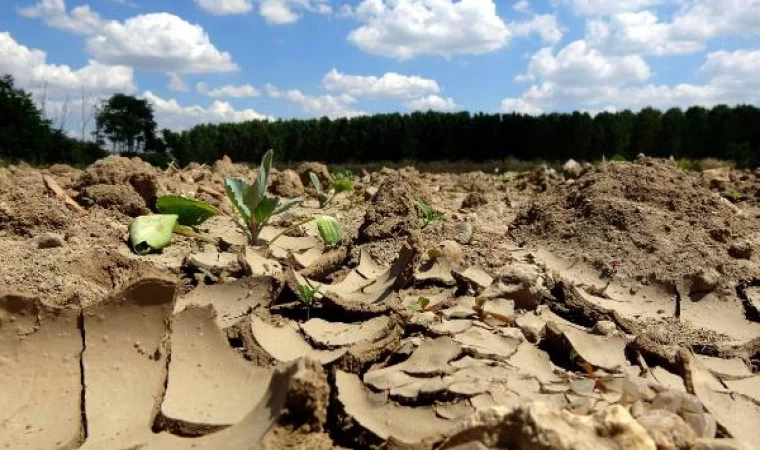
252,203
308,295
429,215
176,215
342,181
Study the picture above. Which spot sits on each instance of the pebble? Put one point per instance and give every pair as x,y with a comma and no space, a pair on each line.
49,240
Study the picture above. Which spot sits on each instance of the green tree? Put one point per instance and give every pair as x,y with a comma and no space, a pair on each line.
128,123
24,133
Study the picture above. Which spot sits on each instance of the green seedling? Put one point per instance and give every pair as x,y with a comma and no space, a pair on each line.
328,227
308,295
429,215
342,181
177,214
189,212
252,203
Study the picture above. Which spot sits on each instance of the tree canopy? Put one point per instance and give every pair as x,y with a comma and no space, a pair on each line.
26,135
127,122
721,132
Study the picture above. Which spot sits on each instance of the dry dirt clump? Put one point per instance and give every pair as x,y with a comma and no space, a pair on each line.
651,218
117,170
319,169
287,184
26,208
122,198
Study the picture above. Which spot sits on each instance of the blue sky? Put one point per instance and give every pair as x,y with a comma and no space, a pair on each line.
231,60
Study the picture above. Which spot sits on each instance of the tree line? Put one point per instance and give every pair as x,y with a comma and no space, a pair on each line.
731,133
125,125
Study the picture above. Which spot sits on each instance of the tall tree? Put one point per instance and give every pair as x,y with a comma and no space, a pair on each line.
128,123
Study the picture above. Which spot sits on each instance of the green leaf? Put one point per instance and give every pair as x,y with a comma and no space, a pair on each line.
260,187
315,182
287,204
265,209
237,190
190,212
425,209
329,229
343,185
150,233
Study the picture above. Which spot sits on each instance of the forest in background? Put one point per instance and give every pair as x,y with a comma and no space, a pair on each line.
125,125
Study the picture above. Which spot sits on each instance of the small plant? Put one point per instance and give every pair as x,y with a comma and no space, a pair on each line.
308,295
342,181
429,215
153,232
328,227
252,202
737,196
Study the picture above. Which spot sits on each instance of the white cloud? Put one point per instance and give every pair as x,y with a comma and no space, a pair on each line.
281,12
176,83
579,65
390,85
333,106
688,31
605,7
225,7
518,105
431,102
30,68
733,79
522,6
544,25
157,41
171,114
243,91
403,29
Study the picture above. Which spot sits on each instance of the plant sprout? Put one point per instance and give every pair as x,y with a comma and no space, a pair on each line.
429,215
342,181
177,215
308,294
328,227
252,202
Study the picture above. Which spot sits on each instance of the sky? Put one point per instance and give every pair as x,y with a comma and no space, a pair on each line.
200,61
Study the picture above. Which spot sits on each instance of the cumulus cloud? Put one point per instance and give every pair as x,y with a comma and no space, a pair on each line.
225,7
242,91
176,83
30,68
431,102
688,30
281,12
156,41
604,7
332,106
171,114
732,80
522,6
390,85
544,25
404,29
579,65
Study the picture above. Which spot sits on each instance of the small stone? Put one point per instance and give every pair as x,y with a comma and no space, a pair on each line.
741,250
48,240
450,250
464,232
704,281
667,429
474,200
604,328
572,169
532,326
370,192
287,184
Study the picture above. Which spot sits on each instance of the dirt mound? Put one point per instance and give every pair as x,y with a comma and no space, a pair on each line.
25,207
117,170
122,198
287,184
319,169
652,219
